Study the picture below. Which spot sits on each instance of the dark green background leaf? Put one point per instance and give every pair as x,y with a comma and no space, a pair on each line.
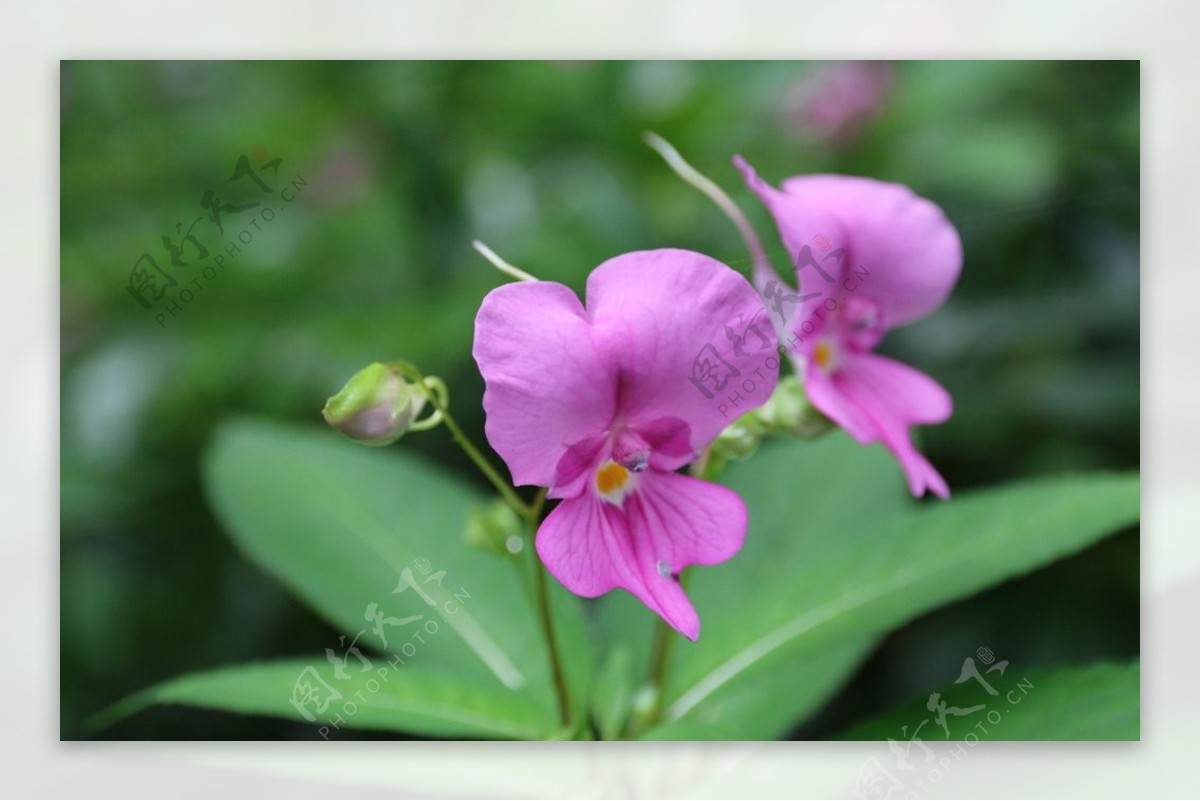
1099,702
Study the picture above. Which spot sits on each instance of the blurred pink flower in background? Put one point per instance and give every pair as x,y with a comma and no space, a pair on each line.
345,172
834,102
883,258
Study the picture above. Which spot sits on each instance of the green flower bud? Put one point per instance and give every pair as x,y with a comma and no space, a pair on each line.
376,406
495,528
645,707
739,439
789,412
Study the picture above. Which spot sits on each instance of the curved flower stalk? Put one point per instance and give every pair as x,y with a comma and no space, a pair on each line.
869,257
603,403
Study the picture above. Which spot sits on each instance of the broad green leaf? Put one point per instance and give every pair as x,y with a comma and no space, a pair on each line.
836,556
345,527
382,697
769,696
1099,702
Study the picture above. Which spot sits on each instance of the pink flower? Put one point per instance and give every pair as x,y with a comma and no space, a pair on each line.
835,102
869,256
602,404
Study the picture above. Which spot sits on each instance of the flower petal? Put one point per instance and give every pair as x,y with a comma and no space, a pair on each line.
547,385
670,522
878,399
670,443
910,252
686,521
692,337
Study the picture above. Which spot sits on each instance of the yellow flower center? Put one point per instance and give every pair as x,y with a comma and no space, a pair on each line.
610,478
823,353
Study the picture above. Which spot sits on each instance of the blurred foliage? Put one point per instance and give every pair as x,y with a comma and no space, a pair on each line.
1090,703
404,163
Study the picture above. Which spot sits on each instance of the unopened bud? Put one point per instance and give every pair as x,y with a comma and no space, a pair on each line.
739,439
645,707
495,528
789,412
376,406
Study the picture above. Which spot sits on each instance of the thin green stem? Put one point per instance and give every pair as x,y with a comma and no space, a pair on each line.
535,508
439,396
485,467
532,514
543,604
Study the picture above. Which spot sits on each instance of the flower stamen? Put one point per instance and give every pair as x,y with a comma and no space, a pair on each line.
823,355
613,482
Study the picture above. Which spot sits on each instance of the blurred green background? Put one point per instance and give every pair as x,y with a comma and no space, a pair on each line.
403,164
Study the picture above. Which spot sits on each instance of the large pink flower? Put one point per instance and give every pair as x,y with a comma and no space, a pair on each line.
602,404
869,256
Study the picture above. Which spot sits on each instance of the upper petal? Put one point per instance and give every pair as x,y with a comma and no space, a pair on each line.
691,336
670,522
548,386
878,399
905,253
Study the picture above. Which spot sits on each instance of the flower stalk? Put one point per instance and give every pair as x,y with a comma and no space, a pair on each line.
500,264
542,592
763,271
531,513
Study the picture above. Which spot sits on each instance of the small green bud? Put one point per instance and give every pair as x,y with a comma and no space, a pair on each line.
376,406
645,707
739,439
789,412
495,528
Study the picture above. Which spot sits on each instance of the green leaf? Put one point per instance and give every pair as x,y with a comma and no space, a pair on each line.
768,697
836,556
1100,702
344,527
382,697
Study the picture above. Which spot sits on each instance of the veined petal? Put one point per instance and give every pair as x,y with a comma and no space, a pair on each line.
548,386
668,523
587,545
686,521
877,399
908,254
689,333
